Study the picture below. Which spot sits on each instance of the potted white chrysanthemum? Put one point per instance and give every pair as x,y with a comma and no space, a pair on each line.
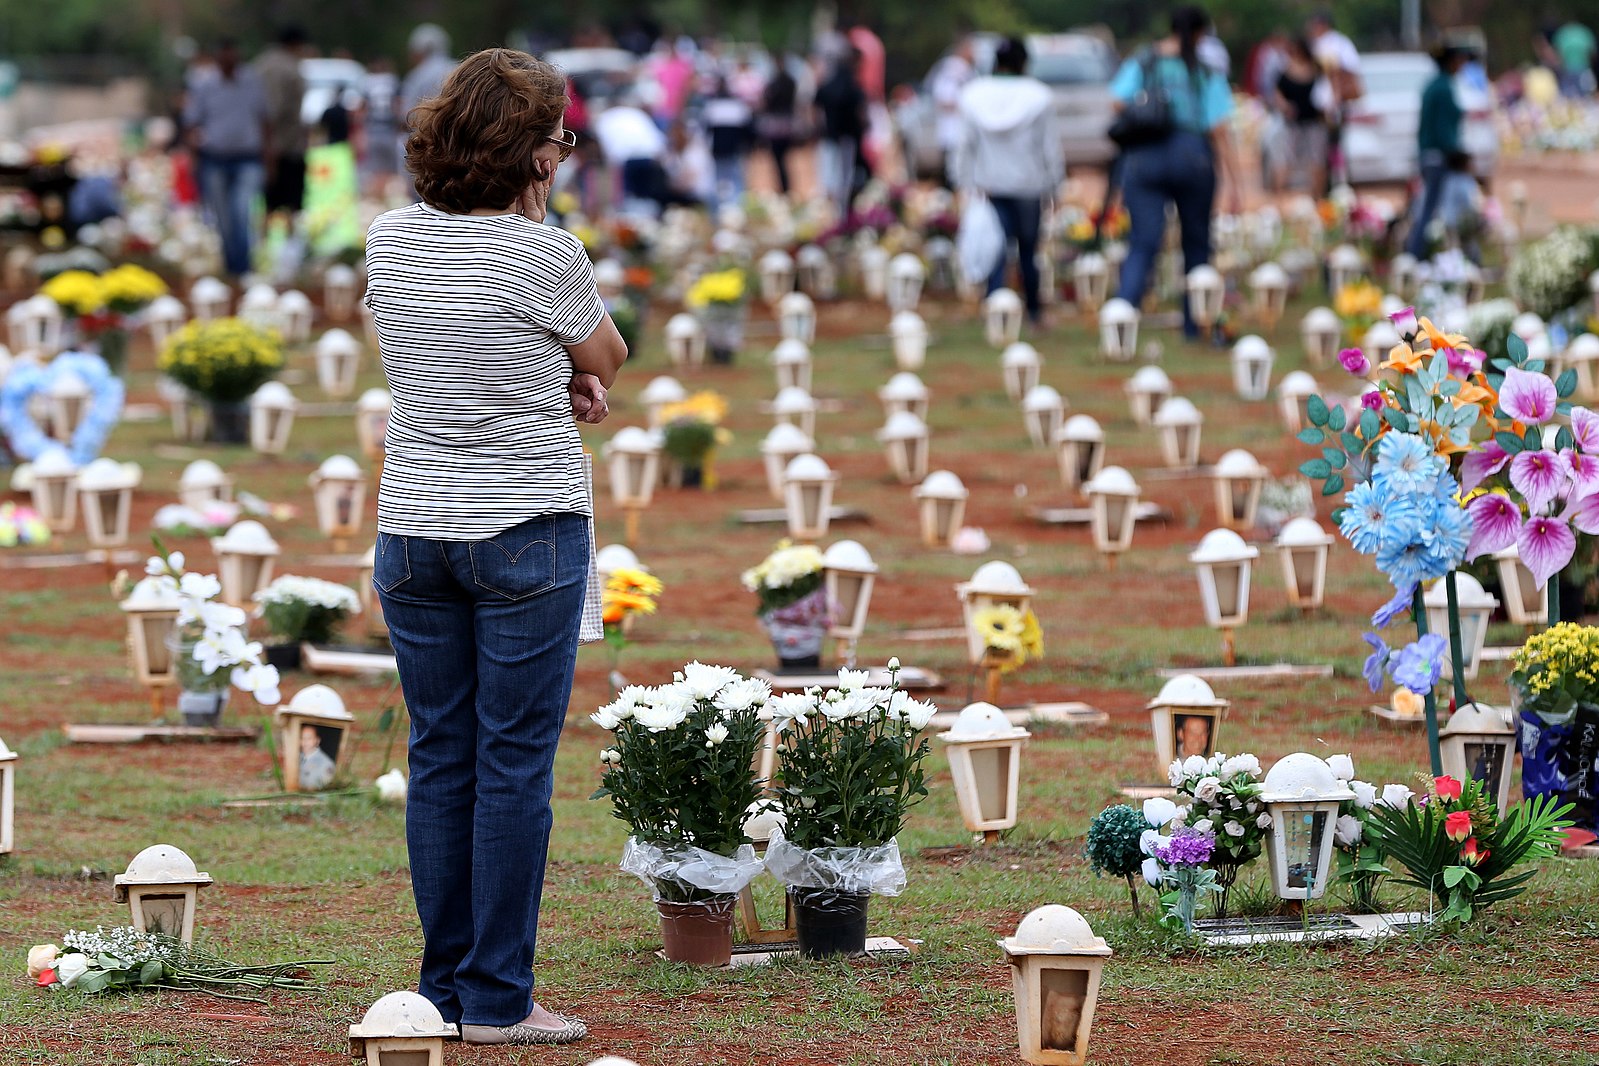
302,610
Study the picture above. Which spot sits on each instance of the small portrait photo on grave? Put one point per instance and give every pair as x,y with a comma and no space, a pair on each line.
1192,735
319,755
1486,765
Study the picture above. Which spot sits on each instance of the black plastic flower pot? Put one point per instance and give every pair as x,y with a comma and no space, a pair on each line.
285,657
828,923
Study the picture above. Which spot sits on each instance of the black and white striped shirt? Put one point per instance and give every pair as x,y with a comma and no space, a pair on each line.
472,312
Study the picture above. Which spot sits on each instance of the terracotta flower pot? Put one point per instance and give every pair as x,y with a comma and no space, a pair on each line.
700,934
829,923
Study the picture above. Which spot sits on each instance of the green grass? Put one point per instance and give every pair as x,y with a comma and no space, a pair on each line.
331,881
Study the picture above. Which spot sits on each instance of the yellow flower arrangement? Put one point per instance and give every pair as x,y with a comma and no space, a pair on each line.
628,592
718,287
1013,633
703,406
1358,300
224,360
76,292
129,287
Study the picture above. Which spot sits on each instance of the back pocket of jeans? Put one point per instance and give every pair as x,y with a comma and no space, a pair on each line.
391,564
517,563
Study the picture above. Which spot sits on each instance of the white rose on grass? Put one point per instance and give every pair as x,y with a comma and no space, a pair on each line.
1348,831
1342,766
1365,794
391,786
1232,829
1207,790
1263,822
715,734
1396,796
71,967
41,958
1151,871
1159,810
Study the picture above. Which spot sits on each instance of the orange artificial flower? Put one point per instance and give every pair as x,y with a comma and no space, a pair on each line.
1403,359
1472,853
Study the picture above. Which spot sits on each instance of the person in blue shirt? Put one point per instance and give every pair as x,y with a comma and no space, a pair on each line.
1180,168
1438,145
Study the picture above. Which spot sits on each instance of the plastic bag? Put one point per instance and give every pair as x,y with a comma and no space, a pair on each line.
875,869
980,240
721,874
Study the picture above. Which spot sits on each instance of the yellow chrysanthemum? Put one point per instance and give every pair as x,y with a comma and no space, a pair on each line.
718,287
1002,628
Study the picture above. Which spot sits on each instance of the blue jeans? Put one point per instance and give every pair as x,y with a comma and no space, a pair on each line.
1019,217
1180,170
229,186
1434,171
485,634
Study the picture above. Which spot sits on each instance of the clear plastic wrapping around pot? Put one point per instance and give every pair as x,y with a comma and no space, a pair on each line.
876,869
721,874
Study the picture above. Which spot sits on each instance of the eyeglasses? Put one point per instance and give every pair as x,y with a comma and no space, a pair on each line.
568,142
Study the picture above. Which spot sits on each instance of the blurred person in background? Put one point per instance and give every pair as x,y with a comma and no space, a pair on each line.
227,118
776,122
1010,151
633,146
279,70
945,84
1438,146
841,102
1341,84
431,63
688,173
379,98
1302,151
872,75
1575,50
730,127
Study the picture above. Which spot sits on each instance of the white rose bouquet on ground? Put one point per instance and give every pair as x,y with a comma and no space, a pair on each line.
1221,796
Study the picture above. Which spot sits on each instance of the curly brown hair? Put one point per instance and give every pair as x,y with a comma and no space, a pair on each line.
473,145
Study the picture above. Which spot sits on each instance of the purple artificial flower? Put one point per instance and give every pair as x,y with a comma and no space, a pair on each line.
1188,847
1418,665
1481,464
1584,513
1585,427
1463,362
1584,472
1376,662
1528,397
1540,477
1402,602
1354,360
1546,546
1495,523
1404,321
1372,400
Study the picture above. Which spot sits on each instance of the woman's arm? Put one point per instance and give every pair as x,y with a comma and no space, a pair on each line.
1221,137
601,354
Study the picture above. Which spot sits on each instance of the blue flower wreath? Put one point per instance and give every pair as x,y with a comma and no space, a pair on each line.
28,380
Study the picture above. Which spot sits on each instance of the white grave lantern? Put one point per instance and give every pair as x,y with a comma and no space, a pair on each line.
151,611
311,731
1345,265
1238,478
294,316
1402,275
1056,963
1528,326
797,408
848,574
808,485
1293,391
796,318
1186,720
909,334
1593,290
873,262
1475,606
338,488
259,307
105,489
1002,318
994,584
272,409
401,1029
814,273
1224,564
985,762
1044,409
1478,744
1252,362
1268,287
685,341
209,298
1179,424
1091,278
202,483
338,360
941,500
905,440
777,275
1118,330
162,888
634,456
904,392
55,489
782,444
1113,495
1320,330
1147,389
8,799
1207,290
163,317
67,402
1302,545
1526,601
791,359
35,326
372,413
660,392
338,291
610,278
245,557
1378,341
1080,451
905,277
1302,794
1581,354
1020,364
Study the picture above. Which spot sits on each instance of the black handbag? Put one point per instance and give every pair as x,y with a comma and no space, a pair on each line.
1147,117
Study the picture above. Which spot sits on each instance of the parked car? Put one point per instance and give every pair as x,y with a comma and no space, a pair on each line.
326,77
1379,138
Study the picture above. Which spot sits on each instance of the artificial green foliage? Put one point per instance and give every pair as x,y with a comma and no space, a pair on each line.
1114,846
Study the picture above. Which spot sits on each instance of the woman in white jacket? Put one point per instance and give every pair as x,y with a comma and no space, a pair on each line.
1010,151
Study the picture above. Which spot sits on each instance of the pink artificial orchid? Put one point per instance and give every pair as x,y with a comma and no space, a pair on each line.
1528,397
1546,546
1584,472
1584,514
1585,428
1481,464
1540,477
1495,523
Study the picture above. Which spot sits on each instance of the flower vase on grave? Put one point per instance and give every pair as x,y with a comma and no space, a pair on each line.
724,331
112,345
202,697
798,631
229,423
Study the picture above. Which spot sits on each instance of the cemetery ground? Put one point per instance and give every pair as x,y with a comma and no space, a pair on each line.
329,880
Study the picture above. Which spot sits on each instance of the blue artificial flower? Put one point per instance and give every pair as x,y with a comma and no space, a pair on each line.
1376,662
1447,537
1407,463
1446,488
1404,560
1364,516
1402,602
1418,665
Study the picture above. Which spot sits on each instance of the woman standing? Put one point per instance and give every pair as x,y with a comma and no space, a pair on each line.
1304,124
1179,166
493,337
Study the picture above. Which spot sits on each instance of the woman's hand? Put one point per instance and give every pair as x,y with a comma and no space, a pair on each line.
534,203
588,399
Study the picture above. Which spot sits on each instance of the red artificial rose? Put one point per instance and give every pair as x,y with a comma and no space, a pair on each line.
47,978
1447,787
1458,825
1471,854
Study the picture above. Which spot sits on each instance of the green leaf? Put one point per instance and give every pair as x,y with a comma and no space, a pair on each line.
1564,439
1335,419
1516,348
1352,444
1450,387
1335,458
386,720
1454,875
1316,411
1311,435
1566,383
92,982
1395,417
1370,423
151,972
1534,438
1334,485
1508,441
1316,468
